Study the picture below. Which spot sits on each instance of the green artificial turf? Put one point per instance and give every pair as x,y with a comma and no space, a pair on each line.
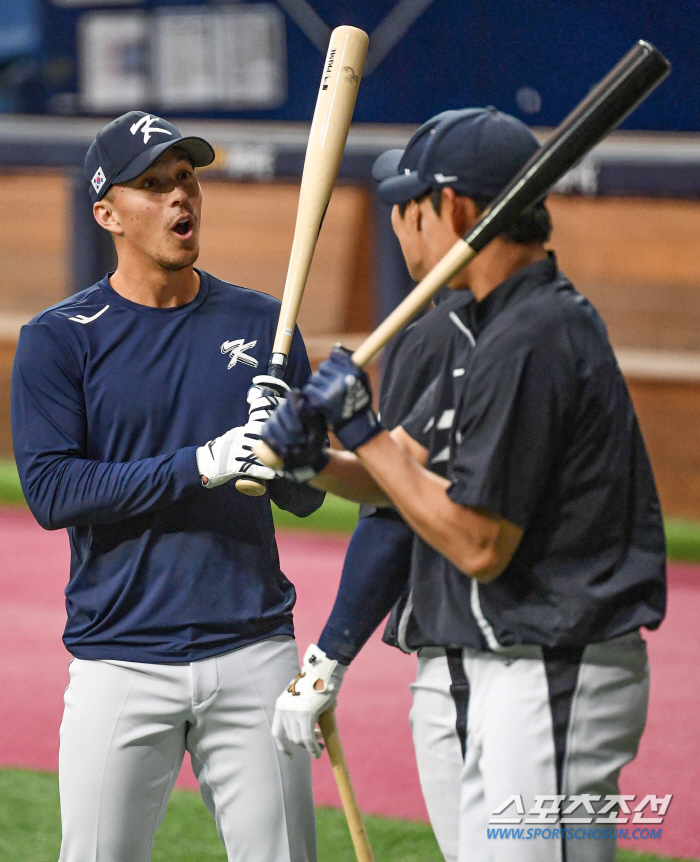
683,540
10,489
334,516
30,829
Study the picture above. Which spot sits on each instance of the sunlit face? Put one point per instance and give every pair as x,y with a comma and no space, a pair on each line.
159,212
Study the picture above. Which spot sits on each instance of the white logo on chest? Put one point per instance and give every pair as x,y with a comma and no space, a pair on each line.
237,352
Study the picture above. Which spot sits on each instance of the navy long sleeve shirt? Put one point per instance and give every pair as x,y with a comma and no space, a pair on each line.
110,400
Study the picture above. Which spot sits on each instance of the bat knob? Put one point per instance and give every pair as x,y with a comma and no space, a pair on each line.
251,487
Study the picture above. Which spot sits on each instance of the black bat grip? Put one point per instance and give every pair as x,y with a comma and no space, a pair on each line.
606,106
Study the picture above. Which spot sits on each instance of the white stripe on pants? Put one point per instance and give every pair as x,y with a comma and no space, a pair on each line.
510,744
125,729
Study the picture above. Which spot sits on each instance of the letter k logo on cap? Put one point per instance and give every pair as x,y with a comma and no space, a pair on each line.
148,127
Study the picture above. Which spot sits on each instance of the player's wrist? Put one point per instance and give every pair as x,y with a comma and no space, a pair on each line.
359,430
325,668
316,685
341,391
335,646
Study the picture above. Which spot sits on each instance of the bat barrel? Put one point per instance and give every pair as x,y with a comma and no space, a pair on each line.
335,103
329,130
639,72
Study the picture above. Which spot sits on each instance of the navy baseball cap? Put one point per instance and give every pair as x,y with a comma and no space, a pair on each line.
124,148
475,151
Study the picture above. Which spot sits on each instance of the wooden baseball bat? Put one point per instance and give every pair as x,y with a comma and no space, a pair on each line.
639,72
329,131
358,833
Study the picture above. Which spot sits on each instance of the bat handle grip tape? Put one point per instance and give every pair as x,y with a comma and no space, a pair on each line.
278,365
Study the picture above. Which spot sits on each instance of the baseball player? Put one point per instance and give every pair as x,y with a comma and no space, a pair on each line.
380,548
179,617
532,680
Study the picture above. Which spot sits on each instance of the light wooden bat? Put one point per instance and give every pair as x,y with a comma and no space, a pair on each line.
329,131
358,833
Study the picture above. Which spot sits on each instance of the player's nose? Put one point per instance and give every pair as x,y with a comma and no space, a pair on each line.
178,190
181,197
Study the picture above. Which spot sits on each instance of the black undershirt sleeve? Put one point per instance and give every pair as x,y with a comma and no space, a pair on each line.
375,573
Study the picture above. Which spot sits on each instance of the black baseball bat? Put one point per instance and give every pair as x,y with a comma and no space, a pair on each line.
639,72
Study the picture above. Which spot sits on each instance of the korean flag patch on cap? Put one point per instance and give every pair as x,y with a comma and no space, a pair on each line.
98,179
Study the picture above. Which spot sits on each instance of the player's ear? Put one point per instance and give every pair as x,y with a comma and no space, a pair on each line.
412,216
105,215
462,210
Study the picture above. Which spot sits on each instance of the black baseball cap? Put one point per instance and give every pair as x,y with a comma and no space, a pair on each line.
124,148
475,151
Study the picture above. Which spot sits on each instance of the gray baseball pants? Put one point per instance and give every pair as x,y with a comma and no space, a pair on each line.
124,733
487,726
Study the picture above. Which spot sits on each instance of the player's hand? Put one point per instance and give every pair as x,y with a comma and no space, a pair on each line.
230,456
299,436
311,693
341,391
264,396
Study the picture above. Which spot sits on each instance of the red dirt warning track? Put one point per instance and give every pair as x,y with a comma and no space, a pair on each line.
373,710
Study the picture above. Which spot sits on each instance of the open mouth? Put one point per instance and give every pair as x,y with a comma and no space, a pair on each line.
183,227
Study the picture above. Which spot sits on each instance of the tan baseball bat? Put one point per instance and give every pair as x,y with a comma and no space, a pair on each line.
329,131
358,833
639,72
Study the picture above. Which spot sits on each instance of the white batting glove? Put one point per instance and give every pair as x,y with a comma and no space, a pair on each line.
264,396
231,456
310,693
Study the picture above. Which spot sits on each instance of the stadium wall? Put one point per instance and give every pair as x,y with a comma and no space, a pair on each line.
636,256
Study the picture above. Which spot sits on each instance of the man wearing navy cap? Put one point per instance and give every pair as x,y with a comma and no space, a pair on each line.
539,551
179,617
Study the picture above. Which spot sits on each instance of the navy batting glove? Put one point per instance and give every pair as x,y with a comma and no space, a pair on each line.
342,392
299,436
